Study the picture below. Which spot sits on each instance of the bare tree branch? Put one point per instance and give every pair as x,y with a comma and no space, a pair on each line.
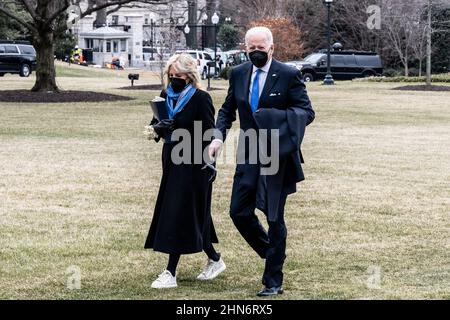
118,7
113,10
93,8
30,6
57,13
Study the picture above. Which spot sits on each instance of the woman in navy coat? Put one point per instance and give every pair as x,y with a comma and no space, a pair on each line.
182,222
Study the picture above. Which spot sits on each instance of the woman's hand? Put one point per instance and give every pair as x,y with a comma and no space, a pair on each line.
150,133
164,127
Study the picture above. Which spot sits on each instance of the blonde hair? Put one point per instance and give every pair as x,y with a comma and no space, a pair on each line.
184,63
258,31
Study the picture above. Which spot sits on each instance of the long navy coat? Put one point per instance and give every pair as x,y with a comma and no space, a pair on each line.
182,220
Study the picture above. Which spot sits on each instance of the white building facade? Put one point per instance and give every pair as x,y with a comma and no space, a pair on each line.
133,29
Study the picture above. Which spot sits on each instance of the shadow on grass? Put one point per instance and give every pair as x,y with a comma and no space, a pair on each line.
27,96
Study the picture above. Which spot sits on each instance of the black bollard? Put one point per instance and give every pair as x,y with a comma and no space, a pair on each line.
132,77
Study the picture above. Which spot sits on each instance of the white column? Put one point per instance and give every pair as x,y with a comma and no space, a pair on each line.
136,22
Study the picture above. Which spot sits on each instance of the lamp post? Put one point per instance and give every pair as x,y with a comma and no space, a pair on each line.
328,78
203,26
187,30
215,21
152,40
205,21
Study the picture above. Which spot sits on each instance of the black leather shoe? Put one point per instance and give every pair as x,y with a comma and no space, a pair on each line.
270,291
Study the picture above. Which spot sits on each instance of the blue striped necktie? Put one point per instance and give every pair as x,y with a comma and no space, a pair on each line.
254,99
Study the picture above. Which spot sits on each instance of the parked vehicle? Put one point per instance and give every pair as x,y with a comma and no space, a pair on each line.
236,57
17,57
155,52
295,63
345,65
203,58
148,53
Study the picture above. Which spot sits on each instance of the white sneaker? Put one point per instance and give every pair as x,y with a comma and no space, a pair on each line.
212,269
165,280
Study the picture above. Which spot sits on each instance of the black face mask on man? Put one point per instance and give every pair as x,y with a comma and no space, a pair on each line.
259,58
178,84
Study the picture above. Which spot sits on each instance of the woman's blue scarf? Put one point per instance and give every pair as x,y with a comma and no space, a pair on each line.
182,99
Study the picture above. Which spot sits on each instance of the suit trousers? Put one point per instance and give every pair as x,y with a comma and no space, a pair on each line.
269,245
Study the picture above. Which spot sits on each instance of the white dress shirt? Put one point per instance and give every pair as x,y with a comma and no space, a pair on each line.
262,82
262,78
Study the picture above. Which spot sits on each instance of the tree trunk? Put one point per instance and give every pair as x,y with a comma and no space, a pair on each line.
191,37
101,17
406,63
45,72
210,32
161,64
429,31
420,67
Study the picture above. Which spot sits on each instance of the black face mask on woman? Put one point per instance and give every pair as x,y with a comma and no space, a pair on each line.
177,84
259,58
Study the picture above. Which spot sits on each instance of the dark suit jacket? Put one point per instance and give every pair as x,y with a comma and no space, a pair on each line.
285,93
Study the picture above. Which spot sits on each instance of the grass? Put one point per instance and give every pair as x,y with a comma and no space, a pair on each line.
444,77
79,181
76,71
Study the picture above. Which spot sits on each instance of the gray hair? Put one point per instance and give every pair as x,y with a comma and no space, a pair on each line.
258,31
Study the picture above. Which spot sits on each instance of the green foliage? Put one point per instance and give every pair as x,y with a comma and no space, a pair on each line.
11,30
390,72
228,37
435,78
74,71
64,40
64,44
441,49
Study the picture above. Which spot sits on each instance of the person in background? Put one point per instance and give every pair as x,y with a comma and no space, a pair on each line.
77,55
220,62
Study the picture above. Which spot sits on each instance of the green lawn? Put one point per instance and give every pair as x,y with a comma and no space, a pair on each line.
79,181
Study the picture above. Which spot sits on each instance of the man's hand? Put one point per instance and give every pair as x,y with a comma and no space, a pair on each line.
214,149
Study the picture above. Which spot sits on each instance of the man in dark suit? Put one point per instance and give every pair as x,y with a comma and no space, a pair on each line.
268,95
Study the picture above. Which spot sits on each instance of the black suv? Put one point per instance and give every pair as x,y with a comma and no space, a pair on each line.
345,65
17,57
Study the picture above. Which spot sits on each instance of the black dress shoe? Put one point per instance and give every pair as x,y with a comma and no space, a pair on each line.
270,291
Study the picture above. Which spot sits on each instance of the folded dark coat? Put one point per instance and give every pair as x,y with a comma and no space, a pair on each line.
291,124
